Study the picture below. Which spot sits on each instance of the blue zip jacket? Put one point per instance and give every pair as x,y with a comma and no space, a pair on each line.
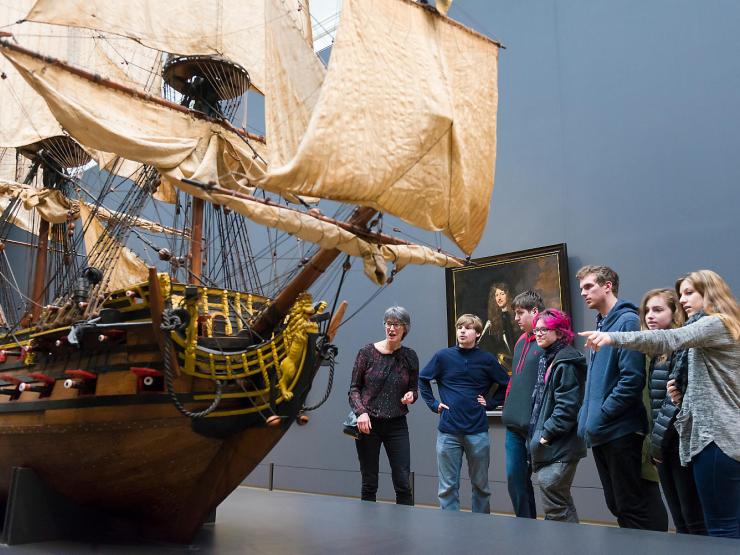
462,375
612,406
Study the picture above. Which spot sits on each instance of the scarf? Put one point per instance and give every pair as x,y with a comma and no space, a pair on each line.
538,393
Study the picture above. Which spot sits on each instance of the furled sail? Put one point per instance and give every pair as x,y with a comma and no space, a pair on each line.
330,236
181,146
405,121
21,217
128,267
174,141
25,117
52,206
105,215
233,29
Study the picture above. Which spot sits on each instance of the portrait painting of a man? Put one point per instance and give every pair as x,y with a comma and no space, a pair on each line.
488,286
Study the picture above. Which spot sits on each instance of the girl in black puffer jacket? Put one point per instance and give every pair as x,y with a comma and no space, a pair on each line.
660,310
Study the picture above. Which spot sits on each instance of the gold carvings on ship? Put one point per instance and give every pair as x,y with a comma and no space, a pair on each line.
296,339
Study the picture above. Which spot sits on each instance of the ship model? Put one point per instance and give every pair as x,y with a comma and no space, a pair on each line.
159,261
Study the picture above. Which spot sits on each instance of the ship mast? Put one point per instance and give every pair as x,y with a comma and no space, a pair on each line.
54,155
196,242
209,85
39,278
311,271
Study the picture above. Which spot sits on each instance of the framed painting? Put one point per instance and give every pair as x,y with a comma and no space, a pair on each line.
487,287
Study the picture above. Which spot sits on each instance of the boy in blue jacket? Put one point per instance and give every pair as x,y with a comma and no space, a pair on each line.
464,374
612,419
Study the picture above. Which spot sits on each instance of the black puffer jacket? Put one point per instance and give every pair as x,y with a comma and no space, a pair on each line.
659,372
663,436
559,414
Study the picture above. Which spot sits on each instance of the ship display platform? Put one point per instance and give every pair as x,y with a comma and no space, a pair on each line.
277,522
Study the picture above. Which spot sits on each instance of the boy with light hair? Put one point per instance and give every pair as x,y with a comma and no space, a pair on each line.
464,373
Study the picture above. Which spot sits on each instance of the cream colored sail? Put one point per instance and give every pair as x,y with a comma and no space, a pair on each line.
330,236
443,6
293,80
405,123
24,117
52,206
178,144
21,217
182,146
106,215
127,268
233,29
12,167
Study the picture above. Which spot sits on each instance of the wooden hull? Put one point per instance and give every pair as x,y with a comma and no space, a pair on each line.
124,450
153,476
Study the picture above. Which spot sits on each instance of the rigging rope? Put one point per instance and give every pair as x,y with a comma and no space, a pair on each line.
170,322
328,353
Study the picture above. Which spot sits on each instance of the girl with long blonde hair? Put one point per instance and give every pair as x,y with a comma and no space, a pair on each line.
709,435
660,310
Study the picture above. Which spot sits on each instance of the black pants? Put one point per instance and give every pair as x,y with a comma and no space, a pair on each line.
680,492
633,500
392,433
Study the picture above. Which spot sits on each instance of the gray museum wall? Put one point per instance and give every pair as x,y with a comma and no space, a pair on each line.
618,134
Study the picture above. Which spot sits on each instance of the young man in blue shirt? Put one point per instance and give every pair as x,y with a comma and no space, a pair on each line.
464,374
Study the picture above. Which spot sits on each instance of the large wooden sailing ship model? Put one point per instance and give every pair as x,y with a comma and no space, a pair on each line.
149,391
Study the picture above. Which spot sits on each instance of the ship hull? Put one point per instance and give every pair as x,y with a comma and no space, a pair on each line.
153,478
147,470
133,454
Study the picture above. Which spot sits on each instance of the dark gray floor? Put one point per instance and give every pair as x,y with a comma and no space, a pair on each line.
264,522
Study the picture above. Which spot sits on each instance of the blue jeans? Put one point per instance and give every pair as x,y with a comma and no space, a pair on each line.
717,478
450,449
519,475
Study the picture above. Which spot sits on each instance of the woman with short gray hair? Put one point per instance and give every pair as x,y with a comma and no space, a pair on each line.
384,382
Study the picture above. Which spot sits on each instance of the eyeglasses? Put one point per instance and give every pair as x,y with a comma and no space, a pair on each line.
541,331
395,325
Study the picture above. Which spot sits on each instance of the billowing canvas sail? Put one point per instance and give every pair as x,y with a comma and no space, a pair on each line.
179,146
294,76
24,115
405,123
176,143
233,29
13,167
